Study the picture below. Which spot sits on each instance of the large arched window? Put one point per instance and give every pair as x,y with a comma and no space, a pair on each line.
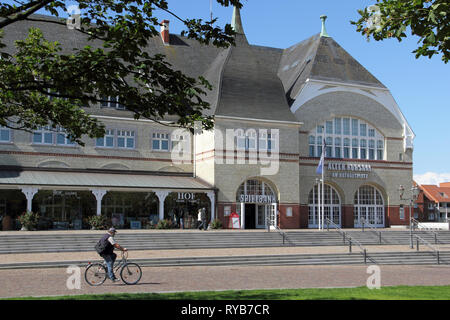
331,206
369,205
348,138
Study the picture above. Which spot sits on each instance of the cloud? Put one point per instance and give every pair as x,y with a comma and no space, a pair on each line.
432,178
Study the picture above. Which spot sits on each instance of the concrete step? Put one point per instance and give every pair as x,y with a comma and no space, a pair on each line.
399,258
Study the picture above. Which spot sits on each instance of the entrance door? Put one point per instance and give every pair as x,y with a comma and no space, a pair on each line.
261,211
250,221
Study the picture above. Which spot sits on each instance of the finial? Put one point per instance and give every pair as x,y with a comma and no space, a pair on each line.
236,22
324,33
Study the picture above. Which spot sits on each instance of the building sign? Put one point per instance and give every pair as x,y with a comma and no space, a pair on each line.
186,197
254,198
349,170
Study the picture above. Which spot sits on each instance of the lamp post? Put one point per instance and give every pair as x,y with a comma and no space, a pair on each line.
414,195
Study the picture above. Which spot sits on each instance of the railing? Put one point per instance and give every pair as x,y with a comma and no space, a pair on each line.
350,240
416,223
372,228
429,245
269,223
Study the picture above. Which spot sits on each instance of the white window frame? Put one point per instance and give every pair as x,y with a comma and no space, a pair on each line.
344,128
160,137
112,104
9,131
109,133
126,135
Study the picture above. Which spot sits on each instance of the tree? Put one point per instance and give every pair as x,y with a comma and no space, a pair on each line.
427,19
40,85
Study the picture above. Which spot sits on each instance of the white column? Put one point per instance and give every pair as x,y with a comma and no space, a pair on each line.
212,197
161,194
29,194
242,215
99,194
275,208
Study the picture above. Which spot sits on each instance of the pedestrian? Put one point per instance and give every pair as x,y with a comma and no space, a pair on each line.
204,219
199,219
105,248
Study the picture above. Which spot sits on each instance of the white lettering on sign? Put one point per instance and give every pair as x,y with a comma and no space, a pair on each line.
335,166
254,198
186,196
349,170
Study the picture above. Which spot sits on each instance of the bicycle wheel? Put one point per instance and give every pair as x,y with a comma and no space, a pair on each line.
95,274
131,273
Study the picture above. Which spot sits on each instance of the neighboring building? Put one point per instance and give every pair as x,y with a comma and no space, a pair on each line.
273,110
433,203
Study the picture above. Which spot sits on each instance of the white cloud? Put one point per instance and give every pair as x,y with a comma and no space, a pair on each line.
432,178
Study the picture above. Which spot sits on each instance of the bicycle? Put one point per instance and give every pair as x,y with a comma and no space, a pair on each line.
130,272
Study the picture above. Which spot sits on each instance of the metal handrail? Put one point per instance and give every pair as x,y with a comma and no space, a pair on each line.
349,239
415,222
429,245
281,232
372,228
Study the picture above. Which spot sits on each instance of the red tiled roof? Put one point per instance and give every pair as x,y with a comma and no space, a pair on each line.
437,194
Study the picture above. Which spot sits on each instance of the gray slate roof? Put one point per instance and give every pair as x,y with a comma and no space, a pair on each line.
248,81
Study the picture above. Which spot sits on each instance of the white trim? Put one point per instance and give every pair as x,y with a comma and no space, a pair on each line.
314,88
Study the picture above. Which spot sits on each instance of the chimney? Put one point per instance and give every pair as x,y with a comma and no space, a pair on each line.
165,32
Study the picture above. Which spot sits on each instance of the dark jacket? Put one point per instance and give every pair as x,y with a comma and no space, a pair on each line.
109,248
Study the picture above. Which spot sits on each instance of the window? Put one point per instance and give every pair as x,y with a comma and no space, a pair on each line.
62,139
107,141
368,205
346,126
354,127
366,141
331,205
43,135
329,127
337,125
112,102
179,142
402,212
125,139
160,141
5,134
51,136
312,146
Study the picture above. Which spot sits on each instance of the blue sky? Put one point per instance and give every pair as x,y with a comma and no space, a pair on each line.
421,87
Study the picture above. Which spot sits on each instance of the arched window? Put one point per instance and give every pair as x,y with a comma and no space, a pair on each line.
331,206
362,136
369,205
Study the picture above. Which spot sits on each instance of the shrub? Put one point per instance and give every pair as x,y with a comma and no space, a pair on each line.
29,220
164,224
97,222
216,224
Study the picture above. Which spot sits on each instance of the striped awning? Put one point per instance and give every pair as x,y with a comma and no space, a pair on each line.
99,180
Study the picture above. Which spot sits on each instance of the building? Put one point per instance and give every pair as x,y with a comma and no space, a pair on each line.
433,203
275,111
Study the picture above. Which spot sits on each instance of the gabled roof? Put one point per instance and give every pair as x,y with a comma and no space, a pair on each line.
321,58
436,194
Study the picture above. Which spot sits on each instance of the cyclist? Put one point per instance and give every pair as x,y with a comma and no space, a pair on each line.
108,252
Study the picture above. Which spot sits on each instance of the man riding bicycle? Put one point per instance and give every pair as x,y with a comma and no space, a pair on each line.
105,248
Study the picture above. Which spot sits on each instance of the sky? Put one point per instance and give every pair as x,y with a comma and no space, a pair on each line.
421,87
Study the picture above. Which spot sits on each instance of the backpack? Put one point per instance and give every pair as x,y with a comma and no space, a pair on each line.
100,247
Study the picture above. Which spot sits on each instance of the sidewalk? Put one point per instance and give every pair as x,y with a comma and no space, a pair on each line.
216,252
